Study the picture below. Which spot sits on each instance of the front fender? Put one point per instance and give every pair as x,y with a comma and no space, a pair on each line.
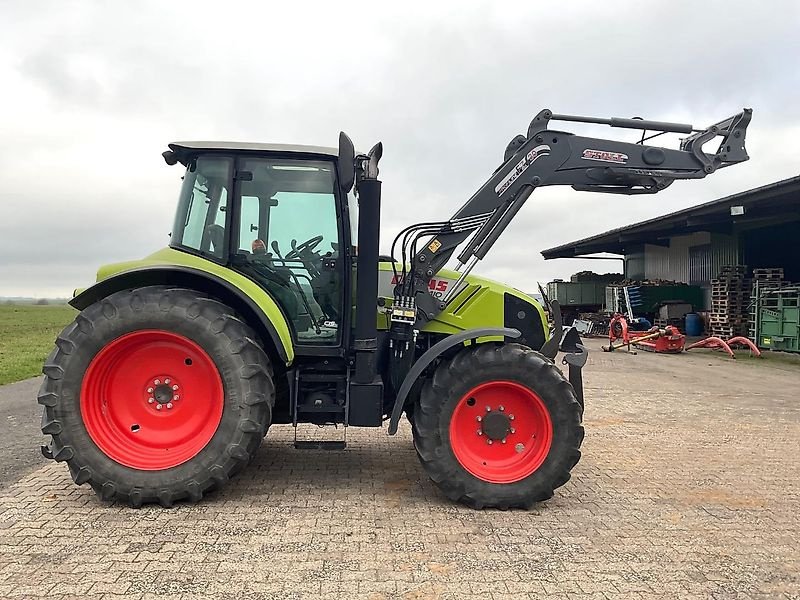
431,354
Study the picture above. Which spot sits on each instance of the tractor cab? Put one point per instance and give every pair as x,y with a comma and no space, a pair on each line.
275,214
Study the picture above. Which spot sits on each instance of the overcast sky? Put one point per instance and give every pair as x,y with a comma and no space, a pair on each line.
93,91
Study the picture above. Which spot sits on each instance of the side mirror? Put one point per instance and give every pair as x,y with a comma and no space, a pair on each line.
345,166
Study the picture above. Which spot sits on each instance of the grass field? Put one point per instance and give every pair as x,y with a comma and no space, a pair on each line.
27,334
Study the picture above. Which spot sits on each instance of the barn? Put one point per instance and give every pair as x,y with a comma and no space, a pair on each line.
759,228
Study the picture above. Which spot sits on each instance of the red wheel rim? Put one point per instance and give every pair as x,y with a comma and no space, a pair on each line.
151,399
501,431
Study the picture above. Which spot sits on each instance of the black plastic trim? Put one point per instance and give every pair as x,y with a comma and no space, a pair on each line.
520,314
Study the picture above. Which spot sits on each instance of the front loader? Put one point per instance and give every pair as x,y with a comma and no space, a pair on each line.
271,305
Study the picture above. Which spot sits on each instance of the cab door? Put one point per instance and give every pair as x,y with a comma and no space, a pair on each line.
291,238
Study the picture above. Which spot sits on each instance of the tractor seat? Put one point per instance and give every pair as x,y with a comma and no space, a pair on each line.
216,234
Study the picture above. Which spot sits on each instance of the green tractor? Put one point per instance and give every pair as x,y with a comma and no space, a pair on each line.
272,305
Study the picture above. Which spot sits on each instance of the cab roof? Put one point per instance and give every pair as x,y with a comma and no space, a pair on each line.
184,150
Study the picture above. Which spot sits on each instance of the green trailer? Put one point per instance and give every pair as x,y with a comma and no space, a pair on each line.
778,319
584,294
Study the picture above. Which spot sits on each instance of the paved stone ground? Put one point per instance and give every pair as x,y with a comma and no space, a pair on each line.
20,430
689,488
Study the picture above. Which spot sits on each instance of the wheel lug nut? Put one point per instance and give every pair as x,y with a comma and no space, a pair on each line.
169,404
175,397
479,432
503,440
479,419
489,442
502,408
166,381
158,406
510,417
151,400
513,430
175,387
149,390
156,381
488,409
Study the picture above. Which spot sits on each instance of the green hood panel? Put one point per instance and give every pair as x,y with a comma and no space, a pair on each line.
479,304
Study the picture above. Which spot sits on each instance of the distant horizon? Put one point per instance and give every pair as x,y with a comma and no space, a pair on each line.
55,298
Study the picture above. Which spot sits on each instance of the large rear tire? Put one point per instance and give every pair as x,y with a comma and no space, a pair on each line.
156,395
498,426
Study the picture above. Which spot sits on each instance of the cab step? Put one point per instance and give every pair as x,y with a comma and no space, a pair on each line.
314,439
320,444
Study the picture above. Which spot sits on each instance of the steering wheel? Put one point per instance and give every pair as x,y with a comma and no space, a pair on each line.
306,246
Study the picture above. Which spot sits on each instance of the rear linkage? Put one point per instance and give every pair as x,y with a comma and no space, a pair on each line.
547,157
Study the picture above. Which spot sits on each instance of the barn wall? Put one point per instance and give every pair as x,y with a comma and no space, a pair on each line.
634,264
672,262
725,249
694,258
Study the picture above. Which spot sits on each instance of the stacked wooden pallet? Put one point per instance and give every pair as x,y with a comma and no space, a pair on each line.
768,278
730,300
680,324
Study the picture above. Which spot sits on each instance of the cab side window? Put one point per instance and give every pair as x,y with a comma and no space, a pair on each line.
249,223
200,219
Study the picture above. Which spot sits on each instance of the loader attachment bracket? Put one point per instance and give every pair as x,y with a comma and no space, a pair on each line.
551,346
731,149
575,359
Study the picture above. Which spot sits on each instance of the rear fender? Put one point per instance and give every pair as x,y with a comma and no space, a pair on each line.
256,306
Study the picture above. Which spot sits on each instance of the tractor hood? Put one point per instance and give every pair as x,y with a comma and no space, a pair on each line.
481,302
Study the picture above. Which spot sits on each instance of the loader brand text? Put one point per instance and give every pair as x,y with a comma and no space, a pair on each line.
521,167
437,287
605,156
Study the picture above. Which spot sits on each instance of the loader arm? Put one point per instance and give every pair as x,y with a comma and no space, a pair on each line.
545,157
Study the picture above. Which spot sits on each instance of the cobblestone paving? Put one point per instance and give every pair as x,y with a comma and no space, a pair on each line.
688,488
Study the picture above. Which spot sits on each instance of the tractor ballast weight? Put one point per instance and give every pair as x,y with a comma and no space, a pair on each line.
165,384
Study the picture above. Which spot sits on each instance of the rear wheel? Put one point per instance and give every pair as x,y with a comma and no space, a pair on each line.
498,426
156,395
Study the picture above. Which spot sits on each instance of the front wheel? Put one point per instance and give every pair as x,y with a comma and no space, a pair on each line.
498,426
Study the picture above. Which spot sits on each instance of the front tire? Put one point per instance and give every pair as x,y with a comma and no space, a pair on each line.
498,426
156,395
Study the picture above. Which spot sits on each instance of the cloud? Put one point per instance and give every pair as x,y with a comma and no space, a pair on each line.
94,92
